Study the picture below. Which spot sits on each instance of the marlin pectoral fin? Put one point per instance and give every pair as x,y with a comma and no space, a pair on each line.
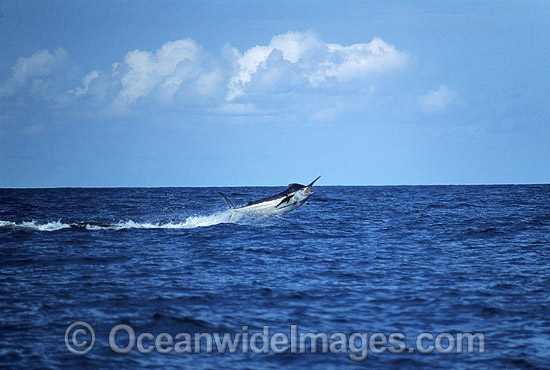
285,200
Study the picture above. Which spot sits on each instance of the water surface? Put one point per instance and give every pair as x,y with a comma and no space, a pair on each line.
406,259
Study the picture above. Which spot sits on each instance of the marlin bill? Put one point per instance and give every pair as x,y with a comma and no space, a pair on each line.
288,200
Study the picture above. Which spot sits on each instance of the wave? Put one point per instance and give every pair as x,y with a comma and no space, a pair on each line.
190,223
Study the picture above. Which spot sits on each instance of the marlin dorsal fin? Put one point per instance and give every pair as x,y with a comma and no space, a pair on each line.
229,203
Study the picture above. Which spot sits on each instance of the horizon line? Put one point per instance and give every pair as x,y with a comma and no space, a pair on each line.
257,186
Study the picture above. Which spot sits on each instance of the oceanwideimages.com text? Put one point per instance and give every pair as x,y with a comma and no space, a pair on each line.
122,339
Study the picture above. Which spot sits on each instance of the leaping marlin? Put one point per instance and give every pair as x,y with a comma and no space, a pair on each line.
289,199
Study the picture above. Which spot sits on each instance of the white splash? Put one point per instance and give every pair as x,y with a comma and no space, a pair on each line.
32,225
190,223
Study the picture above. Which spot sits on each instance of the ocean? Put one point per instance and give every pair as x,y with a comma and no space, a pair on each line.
150,270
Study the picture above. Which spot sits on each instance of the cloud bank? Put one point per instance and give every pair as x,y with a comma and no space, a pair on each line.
182,72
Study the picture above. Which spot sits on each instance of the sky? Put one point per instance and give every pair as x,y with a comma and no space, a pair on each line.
246,93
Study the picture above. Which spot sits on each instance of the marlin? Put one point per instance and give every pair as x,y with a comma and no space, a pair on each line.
288,200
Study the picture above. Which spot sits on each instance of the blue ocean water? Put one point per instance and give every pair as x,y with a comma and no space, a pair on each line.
391,259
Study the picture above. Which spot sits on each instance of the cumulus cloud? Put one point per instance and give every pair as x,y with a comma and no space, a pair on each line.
34,74
292,46
163,71
306,59
358,60
436,101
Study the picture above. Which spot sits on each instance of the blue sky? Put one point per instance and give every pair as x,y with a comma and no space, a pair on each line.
232,93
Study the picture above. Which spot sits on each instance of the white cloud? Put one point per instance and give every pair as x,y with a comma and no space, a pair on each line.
86,80
292,45
34,73
164,71
313,61
349,62
436,101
